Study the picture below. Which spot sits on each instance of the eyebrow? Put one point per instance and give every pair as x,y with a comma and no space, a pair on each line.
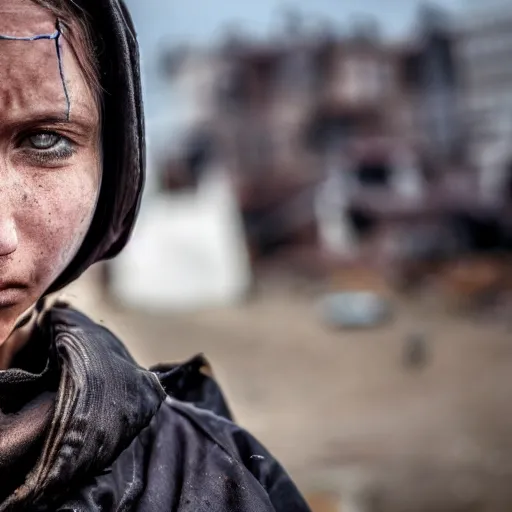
85,123
55,36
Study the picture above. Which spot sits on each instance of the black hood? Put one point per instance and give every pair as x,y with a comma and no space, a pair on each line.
122,136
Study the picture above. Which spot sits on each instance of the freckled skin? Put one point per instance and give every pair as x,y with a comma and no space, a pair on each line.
46,206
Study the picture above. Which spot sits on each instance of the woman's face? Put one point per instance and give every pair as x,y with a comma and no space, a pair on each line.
49,165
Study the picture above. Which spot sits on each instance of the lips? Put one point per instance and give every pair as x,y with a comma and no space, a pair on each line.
11,294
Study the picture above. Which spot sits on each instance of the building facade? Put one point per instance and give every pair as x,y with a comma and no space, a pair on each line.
484,57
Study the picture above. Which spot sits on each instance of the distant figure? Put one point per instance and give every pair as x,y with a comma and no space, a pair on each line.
415,351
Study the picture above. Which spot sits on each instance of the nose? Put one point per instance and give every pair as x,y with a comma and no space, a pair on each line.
8,236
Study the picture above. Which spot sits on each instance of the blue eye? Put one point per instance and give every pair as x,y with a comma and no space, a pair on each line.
44,140
47,147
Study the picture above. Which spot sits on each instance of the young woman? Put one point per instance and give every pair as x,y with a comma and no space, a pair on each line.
82,427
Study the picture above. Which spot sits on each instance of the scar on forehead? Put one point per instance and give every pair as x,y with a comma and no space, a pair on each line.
55,36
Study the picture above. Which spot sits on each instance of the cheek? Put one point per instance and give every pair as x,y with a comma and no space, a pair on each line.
57,214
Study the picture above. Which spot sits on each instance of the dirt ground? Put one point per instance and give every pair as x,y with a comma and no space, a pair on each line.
339,409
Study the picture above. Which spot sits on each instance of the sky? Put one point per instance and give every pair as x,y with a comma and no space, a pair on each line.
199,22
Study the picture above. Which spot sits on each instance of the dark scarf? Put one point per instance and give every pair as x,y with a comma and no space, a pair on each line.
80,401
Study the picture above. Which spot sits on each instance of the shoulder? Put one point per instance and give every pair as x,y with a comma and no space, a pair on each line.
175,464
212,457
196,403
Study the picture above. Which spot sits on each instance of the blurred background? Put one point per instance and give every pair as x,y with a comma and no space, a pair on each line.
328,218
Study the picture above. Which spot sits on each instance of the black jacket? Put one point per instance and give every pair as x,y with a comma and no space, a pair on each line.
120,438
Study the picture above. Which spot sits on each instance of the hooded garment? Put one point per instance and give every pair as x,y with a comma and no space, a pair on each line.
122,136
82,426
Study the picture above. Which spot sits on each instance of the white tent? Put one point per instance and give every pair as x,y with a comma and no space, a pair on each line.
188,250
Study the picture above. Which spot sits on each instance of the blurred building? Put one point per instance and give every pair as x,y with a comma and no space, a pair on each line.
297,110
335,139
484,54
433,84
